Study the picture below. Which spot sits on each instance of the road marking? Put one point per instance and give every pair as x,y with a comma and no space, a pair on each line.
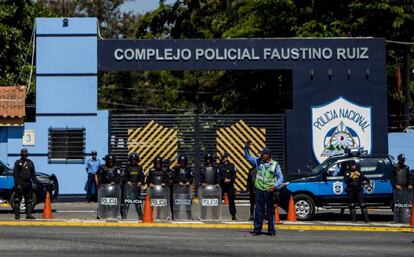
198,225
86,211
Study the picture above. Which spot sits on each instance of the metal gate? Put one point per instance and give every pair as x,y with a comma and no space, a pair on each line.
169,135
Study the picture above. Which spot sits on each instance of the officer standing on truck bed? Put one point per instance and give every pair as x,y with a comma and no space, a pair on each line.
354,181
24,179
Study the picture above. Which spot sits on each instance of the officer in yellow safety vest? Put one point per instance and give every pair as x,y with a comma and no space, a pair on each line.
269,178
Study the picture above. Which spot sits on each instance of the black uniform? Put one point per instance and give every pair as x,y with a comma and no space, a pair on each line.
402,176
250,186
109,174
354,181
24,178
209,175
157,177
133,177
228,171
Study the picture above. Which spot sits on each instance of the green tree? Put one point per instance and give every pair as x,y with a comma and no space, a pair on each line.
16,31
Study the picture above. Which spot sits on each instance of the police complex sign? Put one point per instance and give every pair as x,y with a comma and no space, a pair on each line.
336,84
218,54
239,54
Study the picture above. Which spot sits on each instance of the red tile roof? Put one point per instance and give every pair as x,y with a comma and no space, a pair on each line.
12,102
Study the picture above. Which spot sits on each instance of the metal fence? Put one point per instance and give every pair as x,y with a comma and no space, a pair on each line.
170,135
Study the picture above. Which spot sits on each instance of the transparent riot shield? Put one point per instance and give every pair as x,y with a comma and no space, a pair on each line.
109,201
402,205
160,203
209,203
182,203
132,198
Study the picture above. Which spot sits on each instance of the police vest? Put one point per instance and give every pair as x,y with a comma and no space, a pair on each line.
401,176
210,175
265,176
134,174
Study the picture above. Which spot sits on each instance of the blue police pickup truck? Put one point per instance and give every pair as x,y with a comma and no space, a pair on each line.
324,185
44,182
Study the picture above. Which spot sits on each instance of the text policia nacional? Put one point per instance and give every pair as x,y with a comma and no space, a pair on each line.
240,54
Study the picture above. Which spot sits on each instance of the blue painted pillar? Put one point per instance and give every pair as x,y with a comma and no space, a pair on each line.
66,66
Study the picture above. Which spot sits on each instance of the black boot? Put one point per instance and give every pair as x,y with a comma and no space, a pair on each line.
353,214
16,210
29,209
364,212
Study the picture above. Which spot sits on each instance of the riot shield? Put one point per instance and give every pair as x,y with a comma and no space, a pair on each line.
160,203
402,205
182,203
132,197
109,201
209,203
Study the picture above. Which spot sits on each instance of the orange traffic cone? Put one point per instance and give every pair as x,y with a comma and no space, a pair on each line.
277,218
412,214
226,199
47,209
291,210
147,217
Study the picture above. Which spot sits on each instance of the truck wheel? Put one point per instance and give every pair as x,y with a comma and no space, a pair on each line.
305,207
22,203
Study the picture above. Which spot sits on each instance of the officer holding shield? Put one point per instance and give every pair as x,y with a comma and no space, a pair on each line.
208,172
109,173
134,179
156,175
402,177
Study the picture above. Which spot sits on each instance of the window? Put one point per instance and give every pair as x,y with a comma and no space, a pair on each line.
66,145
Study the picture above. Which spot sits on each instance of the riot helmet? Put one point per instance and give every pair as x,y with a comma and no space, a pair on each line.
401,159
208,159
133,158
109,160
24,153
158,163
182,160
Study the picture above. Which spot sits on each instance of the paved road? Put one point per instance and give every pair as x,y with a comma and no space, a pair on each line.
115,241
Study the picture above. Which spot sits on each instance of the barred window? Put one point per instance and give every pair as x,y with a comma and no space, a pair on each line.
66,145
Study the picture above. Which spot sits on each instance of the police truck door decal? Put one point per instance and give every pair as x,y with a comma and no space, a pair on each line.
339,125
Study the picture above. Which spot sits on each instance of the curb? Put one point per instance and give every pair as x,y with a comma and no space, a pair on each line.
115,223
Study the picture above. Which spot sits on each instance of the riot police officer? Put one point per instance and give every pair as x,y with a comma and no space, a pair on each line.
181,174
24,179
156,175
134,179
227,172
402,178
354,181
109,173
208,172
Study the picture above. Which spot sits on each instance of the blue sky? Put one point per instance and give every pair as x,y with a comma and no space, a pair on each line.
142,6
